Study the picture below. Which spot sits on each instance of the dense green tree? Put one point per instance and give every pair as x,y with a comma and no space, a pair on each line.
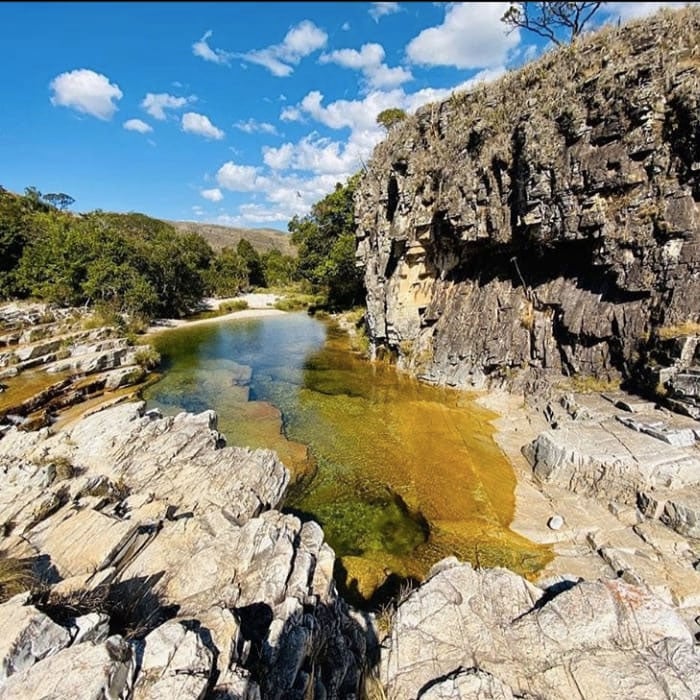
279,270
326,242
256,277
15,222
130,262
228,274
390,117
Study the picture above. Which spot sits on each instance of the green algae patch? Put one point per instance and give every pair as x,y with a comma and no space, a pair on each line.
403,474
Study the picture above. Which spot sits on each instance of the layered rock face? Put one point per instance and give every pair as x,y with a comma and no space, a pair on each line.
489,634
168,570
50,362
547,222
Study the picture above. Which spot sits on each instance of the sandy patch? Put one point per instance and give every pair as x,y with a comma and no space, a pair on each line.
259,305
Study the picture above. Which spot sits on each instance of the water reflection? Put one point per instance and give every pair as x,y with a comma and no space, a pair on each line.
405,473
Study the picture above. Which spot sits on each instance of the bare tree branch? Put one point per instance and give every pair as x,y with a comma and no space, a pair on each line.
551,19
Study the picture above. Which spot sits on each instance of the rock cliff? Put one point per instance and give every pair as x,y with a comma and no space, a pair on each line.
546,224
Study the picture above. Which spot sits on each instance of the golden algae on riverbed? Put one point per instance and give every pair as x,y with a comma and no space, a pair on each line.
432,453
25,386
406,473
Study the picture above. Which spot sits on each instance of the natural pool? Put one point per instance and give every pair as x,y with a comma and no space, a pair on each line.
398,473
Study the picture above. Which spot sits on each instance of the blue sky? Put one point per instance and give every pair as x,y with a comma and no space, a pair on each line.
240,113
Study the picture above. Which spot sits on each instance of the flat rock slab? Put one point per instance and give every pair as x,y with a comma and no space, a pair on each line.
610,461
627,402
601,636
86,671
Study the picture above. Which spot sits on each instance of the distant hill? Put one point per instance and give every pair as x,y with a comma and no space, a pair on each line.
218,237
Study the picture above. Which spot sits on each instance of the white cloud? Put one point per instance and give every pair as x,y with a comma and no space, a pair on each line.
471,36
632,10
156,103
291,114
295,175
278,158
381,9
346,26
202,49
137,125
255,127
354,114
237,178
87,92
370,61
197,210
280,59
213,195
199,124
317,155
285,194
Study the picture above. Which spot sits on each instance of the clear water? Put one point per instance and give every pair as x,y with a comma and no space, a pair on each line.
398,473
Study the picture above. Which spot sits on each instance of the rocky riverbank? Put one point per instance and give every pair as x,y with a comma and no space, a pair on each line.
52,359
162,566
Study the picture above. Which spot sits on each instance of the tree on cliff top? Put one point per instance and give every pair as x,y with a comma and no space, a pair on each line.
60,200
551,19
389,117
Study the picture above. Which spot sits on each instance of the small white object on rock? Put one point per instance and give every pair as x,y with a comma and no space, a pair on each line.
556,522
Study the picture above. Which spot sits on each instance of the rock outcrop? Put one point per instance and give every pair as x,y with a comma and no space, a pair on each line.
50,361
168,570
490,634
546,223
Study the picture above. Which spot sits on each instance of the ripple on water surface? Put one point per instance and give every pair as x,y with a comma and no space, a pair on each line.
405,473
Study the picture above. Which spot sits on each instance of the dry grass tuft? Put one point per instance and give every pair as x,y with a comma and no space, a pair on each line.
16,575
678,331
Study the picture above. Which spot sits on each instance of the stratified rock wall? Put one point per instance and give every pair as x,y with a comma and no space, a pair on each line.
548,221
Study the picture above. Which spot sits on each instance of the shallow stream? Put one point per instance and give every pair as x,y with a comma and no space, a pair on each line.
398,473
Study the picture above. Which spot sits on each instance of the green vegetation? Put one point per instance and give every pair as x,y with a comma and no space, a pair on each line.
326,242
227,274
147,358
124,263
130,268
120,264
279,270
297,301
253,264
390,117
228,307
